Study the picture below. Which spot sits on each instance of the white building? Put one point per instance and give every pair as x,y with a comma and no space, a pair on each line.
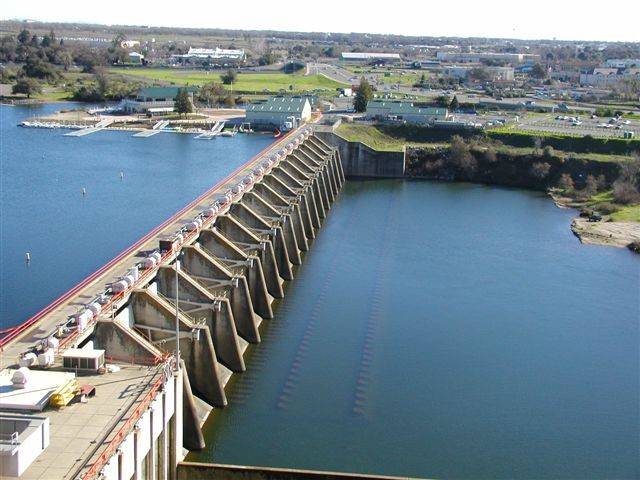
608,77
623,62
281,112
366,57
135,57
477,57
129,43
213,55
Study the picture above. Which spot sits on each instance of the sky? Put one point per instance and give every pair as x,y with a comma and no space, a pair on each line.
562,19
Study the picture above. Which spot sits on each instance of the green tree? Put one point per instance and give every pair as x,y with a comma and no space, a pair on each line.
183,103
363,95
27,86
443,101
479,74
24,36
454,105
230,77
460,155
538,71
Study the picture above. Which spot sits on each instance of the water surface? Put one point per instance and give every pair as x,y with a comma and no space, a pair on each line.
448,331
69,236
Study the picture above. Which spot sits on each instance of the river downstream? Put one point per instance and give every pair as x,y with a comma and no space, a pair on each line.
448,331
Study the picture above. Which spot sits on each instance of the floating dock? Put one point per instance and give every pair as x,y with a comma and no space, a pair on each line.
146,133
214,132
82,132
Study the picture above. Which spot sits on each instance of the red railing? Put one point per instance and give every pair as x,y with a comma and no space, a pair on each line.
14,332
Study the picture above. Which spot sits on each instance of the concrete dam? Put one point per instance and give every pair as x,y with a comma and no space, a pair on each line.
206,278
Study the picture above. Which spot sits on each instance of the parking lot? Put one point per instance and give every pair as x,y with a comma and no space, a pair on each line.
580,125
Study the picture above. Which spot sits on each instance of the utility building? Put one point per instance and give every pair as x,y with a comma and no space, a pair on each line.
369,57
404,111
284,113
154,100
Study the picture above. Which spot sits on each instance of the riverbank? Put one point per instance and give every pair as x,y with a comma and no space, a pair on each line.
608,233
479,160
535,172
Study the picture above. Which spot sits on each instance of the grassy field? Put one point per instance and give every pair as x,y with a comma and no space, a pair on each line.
628,213
378,140
624,213
246,83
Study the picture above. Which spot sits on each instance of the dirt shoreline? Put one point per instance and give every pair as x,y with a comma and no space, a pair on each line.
610,234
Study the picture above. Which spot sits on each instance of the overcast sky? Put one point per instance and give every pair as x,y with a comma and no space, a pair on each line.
562,19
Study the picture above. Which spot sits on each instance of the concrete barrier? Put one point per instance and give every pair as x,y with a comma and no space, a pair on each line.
216,471
361,161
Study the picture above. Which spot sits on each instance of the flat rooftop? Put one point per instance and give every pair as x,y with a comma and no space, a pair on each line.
80,430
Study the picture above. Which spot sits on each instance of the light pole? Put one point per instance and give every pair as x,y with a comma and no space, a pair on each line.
177,366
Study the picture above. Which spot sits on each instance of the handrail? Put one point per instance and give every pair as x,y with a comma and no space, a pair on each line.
19,329
120,435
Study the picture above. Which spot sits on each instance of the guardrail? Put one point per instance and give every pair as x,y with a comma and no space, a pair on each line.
15,332
128,425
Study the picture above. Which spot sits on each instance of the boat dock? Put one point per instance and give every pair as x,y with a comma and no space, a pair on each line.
86,131
214,132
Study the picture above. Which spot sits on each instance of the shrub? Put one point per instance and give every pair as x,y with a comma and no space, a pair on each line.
626,189
490,155
606,208
540,170
566,182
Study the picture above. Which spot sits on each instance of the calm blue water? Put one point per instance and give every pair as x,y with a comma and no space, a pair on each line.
447,331
69,236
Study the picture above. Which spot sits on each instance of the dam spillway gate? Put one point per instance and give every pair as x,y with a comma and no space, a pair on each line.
225,268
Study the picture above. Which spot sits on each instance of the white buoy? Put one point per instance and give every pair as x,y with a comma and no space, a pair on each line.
84,191
121,175
27,257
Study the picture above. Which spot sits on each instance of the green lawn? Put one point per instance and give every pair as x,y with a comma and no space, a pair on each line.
246,83
54,96
378,140
629,213
624,213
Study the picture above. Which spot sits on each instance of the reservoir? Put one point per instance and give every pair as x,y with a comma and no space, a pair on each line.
433,330
70,235
444,331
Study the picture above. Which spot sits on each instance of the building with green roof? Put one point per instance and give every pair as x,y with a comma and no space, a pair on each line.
281,112
405,111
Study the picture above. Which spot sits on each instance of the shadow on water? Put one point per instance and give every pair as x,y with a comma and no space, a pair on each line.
449,331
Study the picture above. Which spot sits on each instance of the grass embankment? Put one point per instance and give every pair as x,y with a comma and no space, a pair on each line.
249,83
375,138
604,203
389,139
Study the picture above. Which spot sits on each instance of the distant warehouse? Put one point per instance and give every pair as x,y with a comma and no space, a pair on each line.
212,55
284,113
404,111
368,57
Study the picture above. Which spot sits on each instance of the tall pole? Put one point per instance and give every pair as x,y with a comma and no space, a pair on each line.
177,320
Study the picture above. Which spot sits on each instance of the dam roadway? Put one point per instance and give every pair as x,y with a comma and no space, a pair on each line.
227,256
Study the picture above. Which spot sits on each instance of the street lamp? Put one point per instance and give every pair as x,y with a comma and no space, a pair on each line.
177,264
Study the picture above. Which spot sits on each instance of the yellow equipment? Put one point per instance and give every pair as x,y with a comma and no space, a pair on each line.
64,394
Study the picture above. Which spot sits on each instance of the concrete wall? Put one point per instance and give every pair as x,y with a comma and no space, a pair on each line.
201,471
360,161
138,452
